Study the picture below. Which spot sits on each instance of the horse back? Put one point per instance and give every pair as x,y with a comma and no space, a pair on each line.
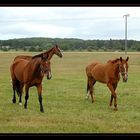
104,73
22,57
98,71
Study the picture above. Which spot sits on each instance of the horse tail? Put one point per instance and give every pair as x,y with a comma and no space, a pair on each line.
17,87
89,81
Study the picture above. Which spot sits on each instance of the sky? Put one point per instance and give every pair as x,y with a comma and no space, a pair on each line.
70,22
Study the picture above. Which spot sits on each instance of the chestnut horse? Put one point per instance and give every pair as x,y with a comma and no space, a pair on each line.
30,73
48,54
109,74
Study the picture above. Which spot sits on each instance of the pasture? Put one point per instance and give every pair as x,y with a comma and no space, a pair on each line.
65,108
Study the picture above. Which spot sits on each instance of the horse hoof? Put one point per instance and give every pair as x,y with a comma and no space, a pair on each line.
42,111
20,104
25,106
14,101
115,109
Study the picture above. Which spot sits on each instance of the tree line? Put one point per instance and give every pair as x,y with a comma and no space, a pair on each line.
68,44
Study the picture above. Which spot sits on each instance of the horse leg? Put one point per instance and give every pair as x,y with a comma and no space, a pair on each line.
20,93
16,88
88,80
39,89
115,98
113,95
114,86
111,99
14,96
14,93
26,96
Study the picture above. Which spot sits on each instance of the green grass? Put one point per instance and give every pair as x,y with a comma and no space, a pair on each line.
66,109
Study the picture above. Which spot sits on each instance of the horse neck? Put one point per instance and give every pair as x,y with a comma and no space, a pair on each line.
35,64
113,68
50,53
116,67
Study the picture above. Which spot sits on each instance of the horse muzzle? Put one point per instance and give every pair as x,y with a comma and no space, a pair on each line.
49,76
124,77
125,80
60,54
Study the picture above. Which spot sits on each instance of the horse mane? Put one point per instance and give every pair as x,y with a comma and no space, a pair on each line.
44,55
113,61
36,69
38,55
35,63
46,52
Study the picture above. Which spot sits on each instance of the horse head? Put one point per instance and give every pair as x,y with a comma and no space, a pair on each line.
123,68
45,66
58,51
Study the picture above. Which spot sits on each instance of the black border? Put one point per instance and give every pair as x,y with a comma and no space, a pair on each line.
90,3
104,136
69,3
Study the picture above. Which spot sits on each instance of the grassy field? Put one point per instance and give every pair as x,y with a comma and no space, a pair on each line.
65,106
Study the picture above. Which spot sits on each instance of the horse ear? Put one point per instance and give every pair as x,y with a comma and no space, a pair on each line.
127,58
56,46
118,65
121,59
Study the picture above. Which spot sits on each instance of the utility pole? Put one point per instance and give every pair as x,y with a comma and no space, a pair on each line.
126,32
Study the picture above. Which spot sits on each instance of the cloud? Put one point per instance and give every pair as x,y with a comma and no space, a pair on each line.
69,22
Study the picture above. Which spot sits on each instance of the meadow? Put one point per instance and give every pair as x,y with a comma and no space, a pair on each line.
66,108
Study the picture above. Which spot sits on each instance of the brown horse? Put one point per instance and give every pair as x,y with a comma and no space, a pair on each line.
48,54
109,74
29,73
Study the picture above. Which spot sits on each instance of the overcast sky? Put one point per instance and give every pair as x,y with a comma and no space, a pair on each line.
69,22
